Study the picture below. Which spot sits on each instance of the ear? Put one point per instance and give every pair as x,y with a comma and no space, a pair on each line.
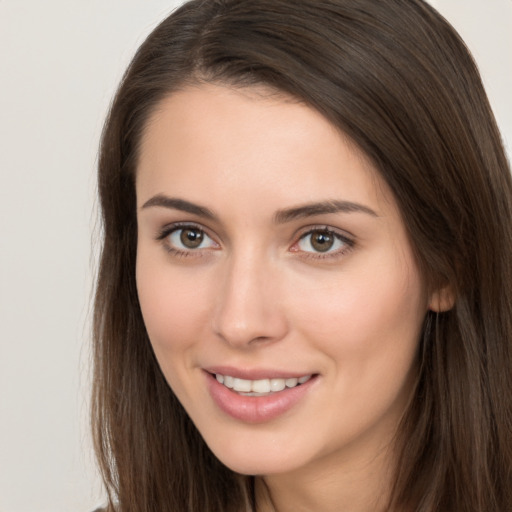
442,299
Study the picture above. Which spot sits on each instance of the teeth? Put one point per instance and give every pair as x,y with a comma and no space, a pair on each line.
277,384
242,385
291,383
261,386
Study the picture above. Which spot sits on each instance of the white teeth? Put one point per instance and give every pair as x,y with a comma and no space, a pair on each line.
261,386
291,383
242,385
277,384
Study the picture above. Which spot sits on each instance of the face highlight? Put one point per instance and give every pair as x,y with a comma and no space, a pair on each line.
276,281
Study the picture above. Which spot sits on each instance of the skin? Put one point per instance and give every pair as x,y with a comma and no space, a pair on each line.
257,295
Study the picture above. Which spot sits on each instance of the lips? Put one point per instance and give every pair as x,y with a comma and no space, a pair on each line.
257,400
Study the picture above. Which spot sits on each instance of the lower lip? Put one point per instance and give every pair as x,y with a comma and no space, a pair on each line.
256,409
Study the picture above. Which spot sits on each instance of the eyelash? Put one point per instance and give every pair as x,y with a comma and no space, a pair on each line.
167,231
348,242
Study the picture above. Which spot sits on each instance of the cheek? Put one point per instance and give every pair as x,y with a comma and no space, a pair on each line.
369,330
365,316
174,306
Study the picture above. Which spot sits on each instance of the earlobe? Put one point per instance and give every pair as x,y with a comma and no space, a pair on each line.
442,299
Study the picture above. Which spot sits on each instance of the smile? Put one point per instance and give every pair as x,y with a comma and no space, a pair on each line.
260,387
259,399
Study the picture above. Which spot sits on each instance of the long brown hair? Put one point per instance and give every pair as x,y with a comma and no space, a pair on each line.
396,78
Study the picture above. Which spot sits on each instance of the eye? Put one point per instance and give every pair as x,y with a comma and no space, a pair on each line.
323,241
183,239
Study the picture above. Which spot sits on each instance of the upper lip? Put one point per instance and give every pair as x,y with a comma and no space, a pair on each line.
255,373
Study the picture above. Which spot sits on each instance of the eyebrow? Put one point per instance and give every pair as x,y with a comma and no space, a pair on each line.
321,208
280,217
179,204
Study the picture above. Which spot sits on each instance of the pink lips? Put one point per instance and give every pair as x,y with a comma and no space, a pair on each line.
255,409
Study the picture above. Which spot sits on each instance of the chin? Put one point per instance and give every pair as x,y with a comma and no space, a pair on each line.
254,467
257,457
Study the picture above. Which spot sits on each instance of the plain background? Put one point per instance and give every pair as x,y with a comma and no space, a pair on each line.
60,61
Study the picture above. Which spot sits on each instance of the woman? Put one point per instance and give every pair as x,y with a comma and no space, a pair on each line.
304,294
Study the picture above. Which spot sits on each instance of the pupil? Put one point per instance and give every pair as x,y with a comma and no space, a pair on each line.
322,241
191,238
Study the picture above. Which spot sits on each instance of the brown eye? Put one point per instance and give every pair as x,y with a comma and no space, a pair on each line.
191,238
322,241
188,238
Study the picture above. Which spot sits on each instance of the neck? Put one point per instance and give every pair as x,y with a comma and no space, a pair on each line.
352,487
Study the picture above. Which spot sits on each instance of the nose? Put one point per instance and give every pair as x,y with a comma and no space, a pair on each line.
249,310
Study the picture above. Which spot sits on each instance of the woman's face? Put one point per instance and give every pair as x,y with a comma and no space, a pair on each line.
276,280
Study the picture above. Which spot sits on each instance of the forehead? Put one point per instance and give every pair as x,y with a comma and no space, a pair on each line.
245,141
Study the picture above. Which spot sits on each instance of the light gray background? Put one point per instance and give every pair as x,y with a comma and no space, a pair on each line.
60,61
